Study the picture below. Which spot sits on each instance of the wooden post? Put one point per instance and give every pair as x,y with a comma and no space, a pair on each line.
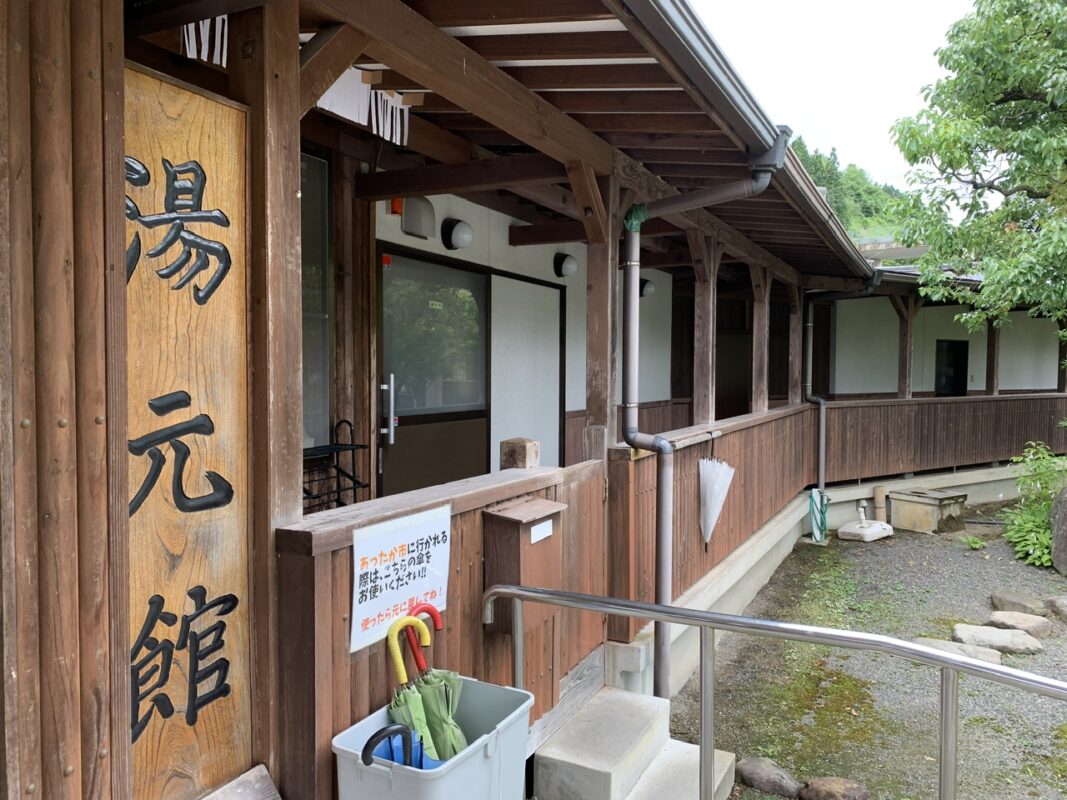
761,331
520,453
907,309
796,345
992,359
56,408
602,280
707,255
264,67
1061,370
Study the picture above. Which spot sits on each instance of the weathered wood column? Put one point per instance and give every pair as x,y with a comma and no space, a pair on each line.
761,332
706,253
992,359
907,309
602,281
1061,371
264,66
796,345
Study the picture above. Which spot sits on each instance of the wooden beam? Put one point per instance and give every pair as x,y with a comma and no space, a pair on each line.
907,308
413,45
159,15
602,123
992,359
656,158
709,141
526,46
264,73
586,102
324,59
602,281
560,232
761,330
735,168
796,344
587,193
707,256
455,13
549,77
472,176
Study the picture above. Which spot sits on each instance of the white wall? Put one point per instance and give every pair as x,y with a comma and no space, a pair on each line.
654,353
524,366
491,249
1029,353
867,335
939,322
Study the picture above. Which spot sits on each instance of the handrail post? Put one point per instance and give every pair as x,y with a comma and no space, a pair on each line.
518,638
949,735
707,713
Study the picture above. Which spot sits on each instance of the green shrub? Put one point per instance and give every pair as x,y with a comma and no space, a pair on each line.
1028,528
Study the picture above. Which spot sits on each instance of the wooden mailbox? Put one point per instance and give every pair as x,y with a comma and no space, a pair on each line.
524,545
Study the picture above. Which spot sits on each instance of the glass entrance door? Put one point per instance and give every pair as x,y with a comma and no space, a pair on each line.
434,355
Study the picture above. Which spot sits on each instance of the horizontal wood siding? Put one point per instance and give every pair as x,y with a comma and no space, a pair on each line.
330,689
890,437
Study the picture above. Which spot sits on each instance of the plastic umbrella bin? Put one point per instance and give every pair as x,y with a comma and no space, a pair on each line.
496,720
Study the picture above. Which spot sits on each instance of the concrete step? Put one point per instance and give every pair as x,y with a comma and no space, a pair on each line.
674,774
602,752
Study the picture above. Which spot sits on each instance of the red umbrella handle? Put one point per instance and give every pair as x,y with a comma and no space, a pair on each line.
413,639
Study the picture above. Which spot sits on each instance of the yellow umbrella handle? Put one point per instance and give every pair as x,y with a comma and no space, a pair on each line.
393,642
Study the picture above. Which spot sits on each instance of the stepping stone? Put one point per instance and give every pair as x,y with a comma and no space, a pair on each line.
834,789
1010,600
1038,627
1058,606
1006,641
973,651
768,777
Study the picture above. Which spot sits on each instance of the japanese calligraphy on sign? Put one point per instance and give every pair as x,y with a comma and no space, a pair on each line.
187,438
397,564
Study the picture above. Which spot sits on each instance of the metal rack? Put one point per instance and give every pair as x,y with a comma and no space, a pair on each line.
326,480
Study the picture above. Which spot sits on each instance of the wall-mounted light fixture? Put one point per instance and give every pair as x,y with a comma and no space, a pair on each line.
648,288
456,234
418,218
564,265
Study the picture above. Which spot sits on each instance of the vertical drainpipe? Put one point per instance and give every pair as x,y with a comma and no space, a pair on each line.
762,170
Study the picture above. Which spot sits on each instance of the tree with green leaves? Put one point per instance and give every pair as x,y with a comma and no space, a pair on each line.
989,158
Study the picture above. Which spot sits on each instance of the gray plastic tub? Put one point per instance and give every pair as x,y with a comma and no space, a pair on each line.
495,720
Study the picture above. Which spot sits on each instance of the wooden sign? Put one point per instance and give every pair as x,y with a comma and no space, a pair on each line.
187,355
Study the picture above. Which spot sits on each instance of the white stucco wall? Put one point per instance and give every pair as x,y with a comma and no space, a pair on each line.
1029,353
491,249
654,353
866,340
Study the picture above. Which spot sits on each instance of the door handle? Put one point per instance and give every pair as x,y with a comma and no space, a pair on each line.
389,431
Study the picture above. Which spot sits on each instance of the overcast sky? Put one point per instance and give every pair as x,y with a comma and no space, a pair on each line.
838,72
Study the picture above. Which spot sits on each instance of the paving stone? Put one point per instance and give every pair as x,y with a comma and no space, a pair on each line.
1058,606
1006,641
1010,600
970,650
1059,532
1036,626
768,777
834,789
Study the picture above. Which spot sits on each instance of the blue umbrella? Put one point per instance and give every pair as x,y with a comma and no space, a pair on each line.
395,743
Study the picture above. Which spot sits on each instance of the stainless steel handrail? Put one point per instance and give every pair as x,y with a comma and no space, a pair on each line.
950,664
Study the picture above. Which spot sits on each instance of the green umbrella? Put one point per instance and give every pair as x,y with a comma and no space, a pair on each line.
440,690
407,706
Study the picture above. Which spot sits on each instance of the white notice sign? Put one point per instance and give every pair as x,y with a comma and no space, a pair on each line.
398,564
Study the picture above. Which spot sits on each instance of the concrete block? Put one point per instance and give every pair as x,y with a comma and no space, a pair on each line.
675,774
601,752
928,510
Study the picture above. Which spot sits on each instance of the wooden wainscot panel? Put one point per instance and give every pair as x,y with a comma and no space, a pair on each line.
188,432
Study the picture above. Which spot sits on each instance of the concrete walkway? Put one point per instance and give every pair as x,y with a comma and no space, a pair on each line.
874,718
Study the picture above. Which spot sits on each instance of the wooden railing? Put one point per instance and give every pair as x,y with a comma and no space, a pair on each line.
775,458
326,688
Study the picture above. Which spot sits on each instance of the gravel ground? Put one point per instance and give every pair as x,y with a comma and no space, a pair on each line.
873,718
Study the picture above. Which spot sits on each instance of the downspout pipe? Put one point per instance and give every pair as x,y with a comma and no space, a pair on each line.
762,170
809,348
